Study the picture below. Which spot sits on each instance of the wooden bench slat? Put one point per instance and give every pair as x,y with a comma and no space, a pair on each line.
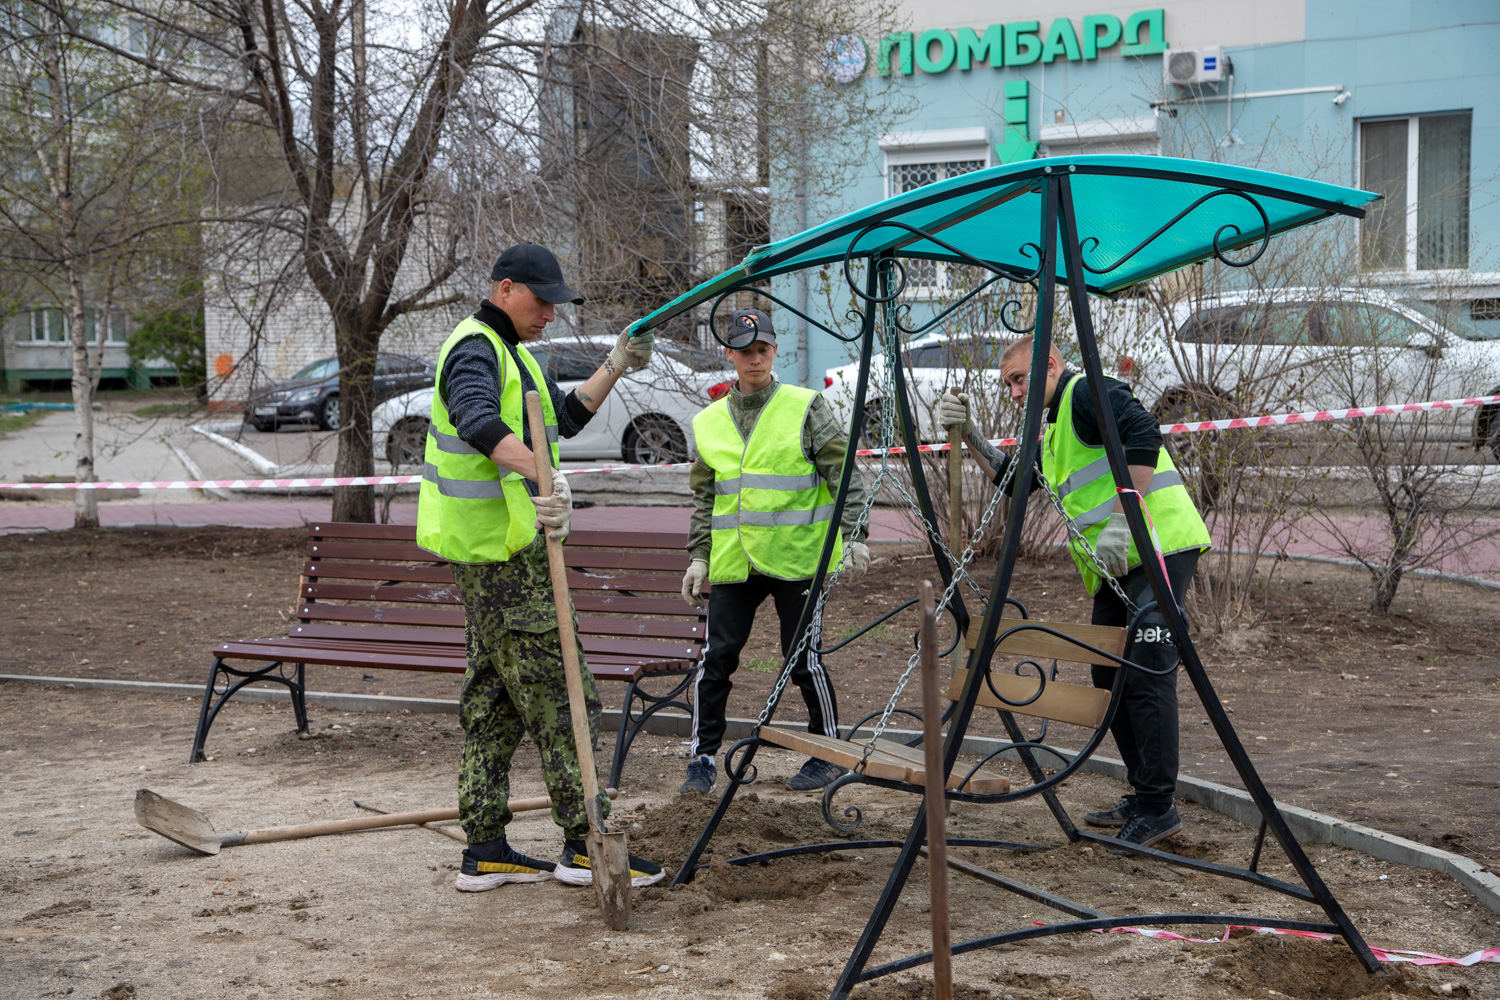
1073,704
390,657
336,570
889,760
1031,643
653,628
400,551
601,537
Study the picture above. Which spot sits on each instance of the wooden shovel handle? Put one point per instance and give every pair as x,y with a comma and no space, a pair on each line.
572,670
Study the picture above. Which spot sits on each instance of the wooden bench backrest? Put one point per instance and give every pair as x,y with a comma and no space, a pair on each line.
1074,704
376,574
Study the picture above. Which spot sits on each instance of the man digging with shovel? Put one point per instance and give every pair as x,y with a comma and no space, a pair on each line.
479,508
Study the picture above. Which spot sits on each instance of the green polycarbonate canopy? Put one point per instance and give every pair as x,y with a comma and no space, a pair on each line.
995,215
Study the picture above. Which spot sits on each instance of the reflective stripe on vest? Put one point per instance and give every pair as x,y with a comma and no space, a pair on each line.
469,509
1082,479
771,507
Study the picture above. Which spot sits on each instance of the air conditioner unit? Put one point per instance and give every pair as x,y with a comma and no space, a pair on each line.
1182,67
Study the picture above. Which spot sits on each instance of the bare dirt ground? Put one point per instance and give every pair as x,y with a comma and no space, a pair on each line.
1385,721
94,906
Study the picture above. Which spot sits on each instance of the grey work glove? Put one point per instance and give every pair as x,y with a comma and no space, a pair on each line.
1113,545
555,513
951,409
632,353
857,561
692,583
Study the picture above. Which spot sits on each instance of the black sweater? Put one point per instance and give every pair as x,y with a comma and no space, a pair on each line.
1139,430
470,388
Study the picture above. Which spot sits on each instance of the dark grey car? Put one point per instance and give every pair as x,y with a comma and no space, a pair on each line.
312,395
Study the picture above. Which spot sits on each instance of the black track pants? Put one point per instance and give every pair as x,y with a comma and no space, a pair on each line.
1145,727
731,613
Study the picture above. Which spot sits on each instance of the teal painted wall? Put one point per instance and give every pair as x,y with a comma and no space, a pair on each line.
1397,58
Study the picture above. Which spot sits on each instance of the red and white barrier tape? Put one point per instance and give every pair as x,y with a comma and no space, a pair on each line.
323,482
1384,954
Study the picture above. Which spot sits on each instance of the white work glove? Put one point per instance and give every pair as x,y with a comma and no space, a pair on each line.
856,561
632,353
555,513
692,582
1113,545
951,409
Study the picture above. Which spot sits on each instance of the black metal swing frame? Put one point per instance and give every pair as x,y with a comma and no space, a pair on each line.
881,292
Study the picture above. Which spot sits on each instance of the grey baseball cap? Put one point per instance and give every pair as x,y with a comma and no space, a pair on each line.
746,326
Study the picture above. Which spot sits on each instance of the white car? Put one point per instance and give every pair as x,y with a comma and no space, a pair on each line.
646,420
933,363
1293,349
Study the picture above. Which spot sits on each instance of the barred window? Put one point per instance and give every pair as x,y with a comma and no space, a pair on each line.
926,276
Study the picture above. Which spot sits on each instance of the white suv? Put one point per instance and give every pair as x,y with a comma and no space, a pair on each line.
646,420
1295,349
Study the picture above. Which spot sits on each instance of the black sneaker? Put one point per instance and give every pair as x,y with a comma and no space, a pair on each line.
700,776
574,868
489,865
814,774
1144,830
1117,815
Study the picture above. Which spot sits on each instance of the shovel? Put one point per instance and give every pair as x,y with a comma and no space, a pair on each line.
193,830
609,857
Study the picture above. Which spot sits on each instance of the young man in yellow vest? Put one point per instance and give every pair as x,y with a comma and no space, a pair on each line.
1073,461
769,460
479,509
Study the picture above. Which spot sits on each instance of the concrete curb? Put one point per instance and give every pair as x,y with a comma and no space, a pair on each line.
1309,827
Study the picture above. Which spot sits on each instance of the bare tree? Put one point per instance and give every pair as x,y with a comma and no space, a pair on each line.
95,180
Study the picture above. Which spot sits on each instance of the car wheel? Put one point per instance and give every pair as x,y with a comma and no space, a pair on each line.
1493,430
654,440
407,444
328,414
264,426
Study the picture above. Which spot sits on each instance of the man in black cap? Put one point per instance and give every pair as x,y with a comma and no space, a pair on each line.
769,461
479,509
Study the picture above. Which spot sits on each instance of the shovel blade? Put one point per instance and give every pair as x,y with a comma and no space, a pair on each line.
609,857
176,822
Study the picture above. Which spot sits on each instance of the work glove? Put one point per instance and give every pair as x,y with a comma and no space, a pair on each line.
555,513
951,409
1113,545
856,561
692,582
632,353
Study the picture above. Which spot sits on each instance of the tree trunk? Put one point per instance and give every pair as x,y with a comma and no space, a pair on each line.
1384,591
356,453
86,510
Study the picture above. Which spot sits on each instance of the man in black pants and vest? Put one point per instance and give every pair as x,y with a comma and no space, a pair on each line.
1073,462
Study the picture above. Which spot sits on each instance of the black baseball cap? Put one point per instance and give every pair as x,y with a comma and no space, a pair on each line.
746,326
537,268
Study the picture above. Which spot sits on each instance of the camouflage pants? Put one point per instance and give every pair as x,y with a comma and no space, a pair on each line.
515,685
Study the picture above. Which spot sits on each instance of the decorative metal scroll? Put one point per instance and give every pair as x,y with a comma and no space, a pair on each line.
713,312
1265,235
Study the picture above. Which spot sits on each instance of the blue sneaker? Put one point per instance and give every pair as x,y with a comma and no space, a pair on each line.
701,774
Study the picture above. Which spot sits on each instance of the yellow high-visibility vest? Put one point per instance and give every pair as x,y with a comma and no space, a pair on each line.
771,507
469,510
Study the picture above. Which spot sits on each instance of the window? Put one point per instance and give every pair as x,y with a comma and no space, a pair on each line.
696,358
1421,166
1271,325
1359,324
50,326
576,362
927,274
326,368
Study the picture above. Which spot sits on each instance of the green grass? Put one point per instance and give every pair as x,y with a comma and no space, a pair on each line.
167,409
13,422
761,666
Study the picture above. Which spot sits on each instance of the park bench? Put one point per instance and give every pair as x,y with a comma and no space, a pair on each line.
370,597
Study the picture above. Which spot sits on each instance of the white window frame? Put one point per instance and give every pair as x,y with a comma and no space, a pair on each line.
37,324
1413,125
934,146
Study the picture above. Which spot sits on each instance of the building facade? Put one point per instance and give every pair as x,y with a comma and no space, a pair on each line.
1393,97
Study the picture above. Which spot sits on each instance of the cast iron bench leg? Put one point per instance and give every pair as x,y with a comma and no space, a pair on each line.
210,710
650,705
205,718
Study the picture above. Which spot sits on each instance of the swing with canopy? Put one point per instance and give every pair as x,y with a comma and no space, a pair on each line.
1092,224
